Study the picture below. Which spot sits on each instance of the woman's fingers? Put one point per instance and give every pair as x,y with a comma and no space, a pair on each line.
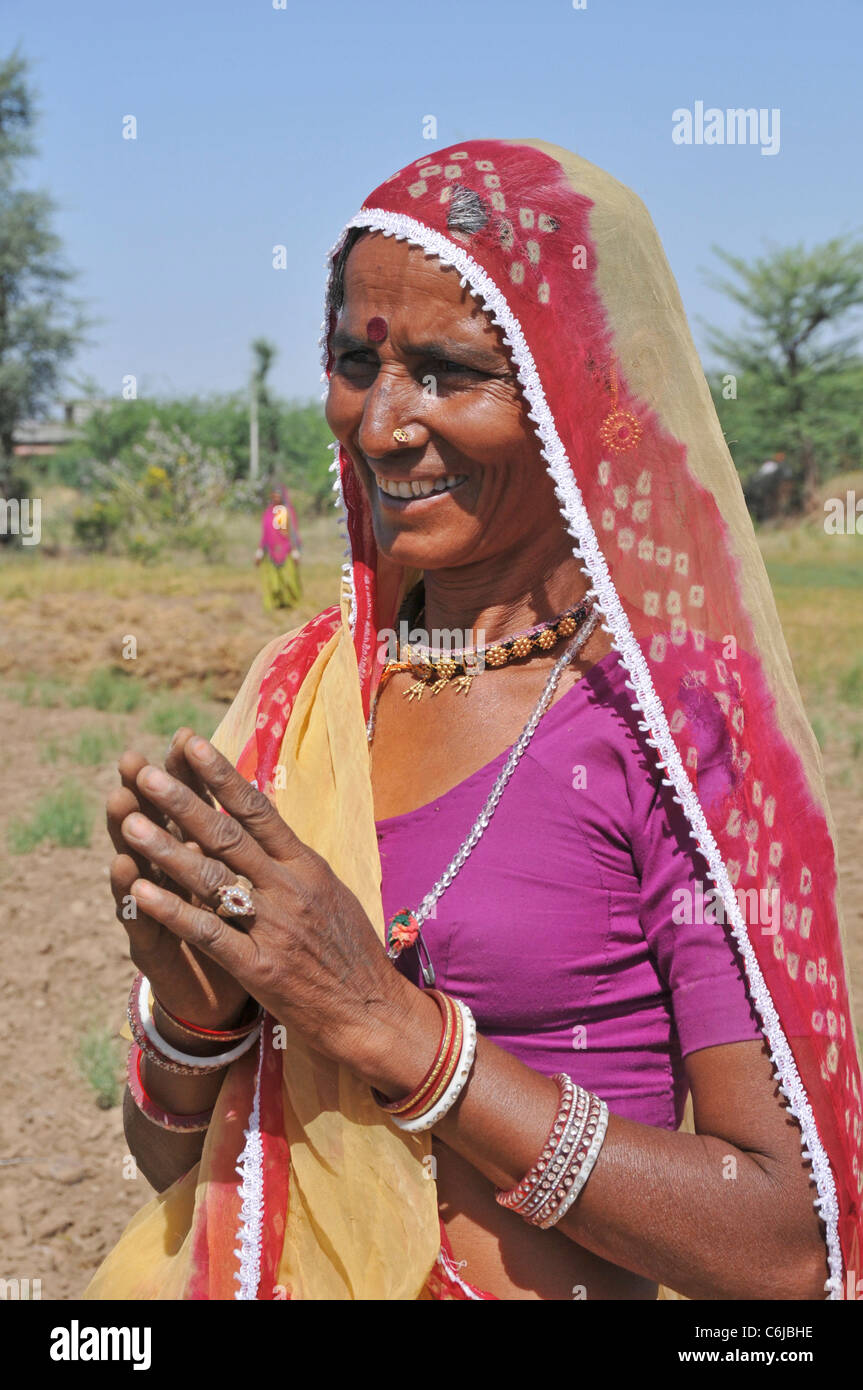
221,835
142,930
243,801
129,766
126,799
120,804
178,766
188,869
231,949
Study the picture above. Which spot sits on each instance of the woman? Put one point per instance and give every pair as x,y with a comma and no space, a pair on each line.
522,426
279,552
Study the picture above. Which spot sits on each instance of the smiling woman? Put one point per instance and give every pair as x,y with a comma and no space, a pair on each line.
443,371
446,1026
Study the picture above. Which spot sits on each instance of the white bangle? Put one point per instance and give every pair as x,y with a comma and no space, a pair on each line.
456,1086
583,1173
188,1059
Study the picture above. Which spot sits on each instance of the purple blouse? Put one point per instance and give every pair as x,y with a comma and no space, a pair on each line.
565,931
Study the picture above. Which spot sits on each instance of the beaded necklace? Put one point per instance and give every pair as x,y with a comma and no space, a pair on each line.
435,669
405,928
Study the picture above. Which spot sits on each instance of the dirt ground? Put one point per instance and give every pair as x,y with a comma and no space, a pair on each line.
65,1192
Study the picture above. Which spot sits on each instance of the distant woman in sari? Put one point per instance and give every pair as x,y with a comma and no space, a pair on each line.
279,552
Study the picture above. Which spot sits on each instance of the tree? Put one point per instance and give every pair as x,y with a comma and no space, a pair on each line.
40,326
305,443
795,359
264,414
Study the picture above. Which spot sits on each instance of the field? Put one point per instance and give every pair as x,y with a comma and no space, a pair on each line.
70,701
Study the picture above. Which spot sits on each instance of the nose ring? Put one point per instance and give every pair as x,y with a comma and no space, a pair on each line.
401,436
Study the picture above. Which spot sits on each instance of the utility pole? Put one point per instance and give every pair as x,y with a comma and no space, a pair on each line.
253,428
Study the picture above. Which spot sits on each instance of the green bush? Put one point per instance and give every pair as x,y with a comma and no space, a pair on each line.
851,684
108,688
147,549
100,1063
61,818
47,694
95,746
208,540
171,712
97,524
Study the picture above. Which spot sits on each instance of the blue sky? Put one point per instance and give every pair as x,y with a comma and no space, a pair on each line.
259,126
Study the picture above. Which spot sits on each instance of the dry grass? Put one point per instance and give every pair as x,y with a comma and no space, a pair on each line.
196,625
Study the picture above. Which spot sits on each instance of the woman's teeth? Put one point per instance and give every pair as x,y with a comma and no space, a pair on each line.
422,488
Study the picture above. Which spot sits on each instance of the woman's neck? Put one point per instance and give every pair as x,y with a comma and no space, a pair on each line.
494,602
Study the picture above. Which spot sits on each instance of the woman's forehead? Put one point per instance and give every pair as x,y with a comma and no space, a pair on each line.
379,264
390,284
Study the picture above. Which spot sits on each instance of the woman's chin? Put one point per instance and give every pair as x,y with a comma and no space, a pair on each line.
424,550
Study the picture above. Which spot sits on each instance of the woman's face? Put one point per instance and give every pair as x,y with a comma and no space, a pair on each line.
413,350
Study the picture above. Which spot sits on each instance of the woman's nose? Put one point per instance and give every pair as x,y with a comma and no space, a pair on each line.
391,404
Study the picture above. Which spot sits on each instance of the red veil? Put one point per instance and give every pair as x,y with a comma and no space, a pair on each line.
570,266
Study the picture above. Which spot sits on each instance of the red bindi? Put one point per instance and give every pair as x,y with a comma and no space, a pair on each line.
377,329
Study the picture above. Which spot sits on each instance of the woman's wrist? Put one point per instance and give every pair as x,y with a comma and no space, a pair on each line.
180,1095
400,1045
175,1092
184,1039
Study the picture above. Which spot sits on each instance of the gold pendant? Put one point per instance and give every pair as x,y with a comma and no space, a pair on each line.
464,682
415,691
439,684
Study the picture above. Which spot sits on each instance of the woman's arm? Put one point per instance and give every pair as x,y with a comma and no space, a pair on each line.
164,1155
724,1213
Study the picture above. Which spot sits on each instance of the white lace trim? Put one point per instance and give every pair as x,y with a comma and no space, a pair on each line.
251,1191
452,1270
342,513
646,701
339,500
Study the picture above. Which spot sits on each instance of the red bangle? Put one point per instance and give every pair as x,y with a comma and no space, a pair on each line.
180,1124
216,1034
440,1073
451,1058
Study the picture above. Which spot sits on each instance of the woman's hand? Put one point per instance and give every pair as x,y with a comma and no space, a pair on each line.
309,955
189,983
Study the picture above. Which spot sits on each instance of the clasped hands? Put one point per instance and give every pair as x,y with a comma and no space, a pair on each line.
309,954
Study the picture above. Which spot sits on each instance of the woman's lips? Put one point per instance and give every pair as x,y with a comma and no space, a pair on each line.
440,487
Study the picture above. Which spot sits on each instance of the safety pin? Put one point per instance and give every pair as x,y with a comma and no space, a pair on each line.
427,970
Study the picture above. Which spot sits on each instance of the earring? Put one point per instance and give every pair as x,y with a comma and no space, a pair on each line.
619,431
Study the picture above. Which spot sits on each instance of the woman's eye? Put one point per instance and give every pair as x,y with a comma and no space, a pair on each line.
358,361
457,367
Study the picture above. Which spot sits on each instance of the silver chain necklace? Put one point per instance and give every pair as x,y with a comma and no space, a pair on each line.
481,823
